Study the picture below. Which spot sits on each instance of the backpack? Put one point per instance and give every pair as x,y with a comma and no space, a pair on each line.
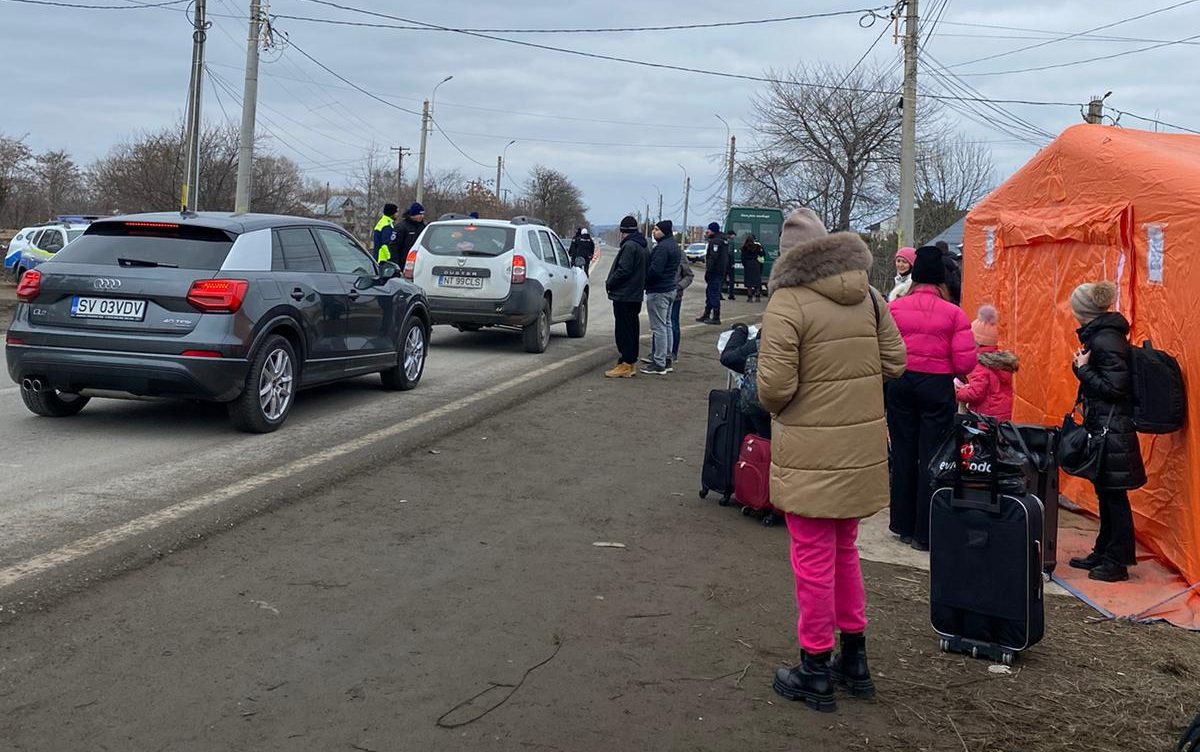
1159,399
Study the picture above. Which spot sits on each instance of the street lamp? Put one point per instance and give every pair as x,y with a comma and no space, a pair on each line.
500,166
426,122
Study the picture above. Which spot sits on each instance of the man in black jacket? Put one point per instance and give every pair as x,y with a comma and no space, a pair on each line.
407,232
583,247
626,288
717,262
662,278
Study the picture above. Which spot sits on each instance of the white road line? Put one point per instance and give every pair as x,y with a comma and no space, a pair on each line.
112,536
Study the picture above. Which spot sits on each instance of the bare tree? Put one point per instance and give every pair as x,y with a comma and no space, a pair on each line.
952,176
60,181
145,172
829,149
15,158
553,198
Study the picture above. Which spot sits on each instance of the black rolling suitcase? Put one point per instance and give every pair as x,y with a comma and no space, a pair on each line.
1042,481
985,569
722,443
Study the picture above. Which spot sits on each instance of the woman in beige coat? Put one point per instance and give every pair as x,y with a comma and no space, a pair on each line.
828,344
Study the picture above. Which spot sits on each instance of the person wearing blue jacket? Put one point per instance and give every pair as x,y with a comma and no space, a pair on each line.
662,276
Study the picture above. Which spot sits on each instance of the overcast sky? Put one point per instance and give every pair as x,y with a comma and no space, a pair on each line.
81,80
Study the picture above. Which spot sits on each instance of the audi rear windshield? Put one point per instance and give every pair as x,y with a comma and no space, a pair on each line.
149,244
468,240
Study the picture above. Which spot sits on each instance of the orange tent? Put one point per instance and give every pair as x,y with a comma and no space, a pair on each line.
1102,203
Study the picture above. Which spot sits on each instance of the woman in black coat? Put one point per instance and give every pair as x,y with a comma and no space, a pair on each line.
752,268
1102,367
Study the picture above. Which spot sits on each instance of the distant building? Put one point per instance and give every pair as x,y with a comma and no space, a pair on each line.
347,211
953,235
884,227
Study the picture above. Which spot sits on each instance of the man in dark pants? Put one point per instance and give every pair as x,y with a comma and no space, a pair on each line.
717,261
731,268
582,247
626,288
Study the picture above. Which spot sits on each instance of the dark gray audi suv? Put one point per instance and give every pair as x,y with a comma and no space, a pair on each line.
239,309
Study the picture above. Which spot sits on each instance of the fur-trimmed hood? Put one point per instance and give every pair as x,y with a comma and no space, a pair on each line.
1000,360
834,265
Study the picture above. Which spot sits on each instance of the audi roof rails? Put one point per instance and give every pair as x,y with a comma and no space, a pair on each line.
523,220
449,216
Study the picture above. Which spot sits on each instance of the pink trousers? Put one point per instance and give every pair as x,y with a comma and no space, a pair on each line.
829,584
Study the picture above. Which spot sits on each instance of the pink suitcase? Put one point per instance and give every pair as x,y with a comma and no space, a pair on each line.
752,479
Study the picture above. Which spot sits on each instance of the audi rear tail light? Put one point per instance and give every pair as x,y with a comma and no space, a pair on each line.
30,286
410,264
218,295
518,270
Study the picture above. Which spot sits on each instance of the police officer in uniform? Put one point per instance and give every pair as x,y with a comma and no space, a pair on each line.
582,246
383,239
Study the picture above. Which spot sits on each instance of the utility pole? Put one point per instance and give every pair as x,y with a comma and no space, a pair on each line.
660,216
499,169
647,230
401,151
245,171
687,191
1095,111
191,171
908,131
421,154
729,177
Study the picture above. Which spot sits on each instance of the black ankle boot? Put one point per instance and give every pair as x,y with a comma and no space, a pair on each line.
1091,561
850,669
704,319
1109,571
809,682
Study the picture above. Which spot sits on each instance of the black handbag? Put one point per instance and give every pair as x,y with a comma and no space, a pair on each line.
1080,452
978,450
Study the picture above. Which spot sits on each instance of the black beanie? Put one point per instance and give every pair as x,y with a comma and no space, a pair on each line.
667,227
930,269
629,224
390,209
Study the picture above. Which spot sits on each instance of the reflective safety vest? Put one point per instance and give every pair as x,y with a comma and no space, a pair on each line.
385,230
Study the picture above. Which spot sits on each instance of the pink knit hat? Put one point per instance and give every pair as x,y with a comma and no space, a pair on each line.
908,254
986,327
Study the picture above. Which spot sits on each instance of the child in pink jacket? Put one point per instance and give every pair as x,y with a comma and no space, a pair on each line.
989,389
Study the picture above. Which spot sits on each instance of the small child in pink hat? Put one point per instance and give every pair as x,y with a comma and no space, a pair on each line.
989,388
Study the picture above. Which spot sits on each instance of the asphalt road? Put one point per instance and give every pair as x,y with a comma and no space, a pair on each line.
64,480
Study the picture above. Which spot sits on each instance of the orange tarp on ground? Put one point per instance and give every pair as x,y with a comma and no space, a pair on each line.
1102,203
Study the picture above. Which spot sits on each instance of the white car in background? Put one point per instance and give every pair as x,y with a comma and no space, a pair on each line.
695,252
513,274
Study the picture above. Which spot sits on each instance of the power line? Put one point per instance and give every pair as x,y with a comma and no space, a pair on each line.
80,6
457,148
1076,34
577,143
863,13
661,66
1085,38
1087,60
345,80
1145,119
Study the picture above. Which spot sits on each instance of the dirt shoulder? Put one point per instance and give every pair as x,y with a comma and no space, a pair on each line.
355,618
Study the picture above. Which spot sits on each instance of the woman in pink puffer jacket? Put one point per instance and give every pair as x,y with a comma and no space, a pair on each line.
921,404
